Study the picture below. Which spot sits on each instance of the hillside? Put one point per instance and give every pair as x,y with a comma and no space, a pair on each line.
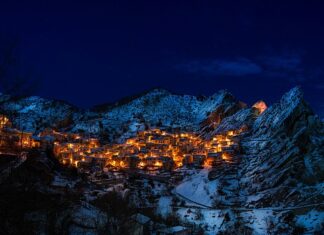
156,108
273,183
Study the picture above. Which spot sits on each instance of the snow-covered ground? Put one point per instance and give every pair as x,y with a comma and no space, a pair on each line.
311,221
197,188
164,206
209,220
257,220
212,221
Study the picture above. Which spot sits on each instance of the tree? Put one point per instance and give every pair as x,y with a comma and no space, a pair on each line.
16,79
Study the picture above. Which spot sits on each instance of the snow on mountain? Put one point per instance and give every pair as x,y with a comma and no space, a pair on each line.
198,188
282,159
242,118
280,168
158,108
280,171
285,154
35,113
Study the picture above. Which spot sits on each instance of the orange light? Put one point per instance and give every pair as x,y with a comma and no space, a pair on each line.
226,157
260,106
141,164
158,164
122,164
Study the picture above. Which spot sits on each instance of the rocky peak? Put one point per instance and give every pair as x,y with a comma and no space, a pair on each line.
224,96
285,147
287,116
227,106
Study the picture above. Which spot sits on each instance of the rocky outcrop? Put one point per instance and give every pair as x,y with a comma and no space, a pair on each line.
283,159
242,119
225,111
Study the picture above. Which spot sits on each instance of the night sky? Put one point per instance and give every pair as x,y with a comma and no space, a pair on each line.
89,52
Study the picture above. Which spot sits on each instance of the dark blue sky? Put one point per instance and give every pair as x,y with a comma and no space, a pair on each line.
91,52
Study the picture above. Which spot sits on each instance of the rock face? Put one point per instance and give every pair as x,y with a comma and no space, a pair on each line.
284,153
243,118
282,161
228,106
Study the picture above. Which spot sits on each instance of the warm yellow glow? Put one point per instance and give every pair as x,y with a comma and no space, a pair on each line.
141,164
158,164
179,164
122,164
260,106
226,157
3,121
178,147
207,164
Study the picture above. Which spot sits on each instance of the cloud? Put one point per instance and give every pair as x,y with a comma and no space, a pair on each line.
218,67
289,62
282,66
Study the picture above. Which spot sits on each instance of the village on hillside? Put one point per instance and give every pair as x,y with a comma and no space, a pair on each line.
149,151
153,156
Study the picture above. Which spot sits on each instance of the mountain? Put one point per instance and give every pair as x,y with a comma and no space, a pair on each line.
34,113
285,152
279,173
275,184
282,153
155,108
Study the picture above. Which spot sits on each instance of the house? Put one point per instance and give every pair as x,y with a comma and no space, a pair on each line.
187,159
133,161
213,158
4,122
167,162
176,230
229,149
198,159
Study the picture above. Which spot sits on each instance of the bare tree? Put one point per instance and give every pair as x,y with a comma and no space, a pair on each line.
16,79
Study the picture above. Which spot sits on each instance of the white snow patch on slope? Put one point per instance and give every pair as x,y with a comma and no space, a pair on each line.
164,206
198,188
258,220
311,221
211,220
